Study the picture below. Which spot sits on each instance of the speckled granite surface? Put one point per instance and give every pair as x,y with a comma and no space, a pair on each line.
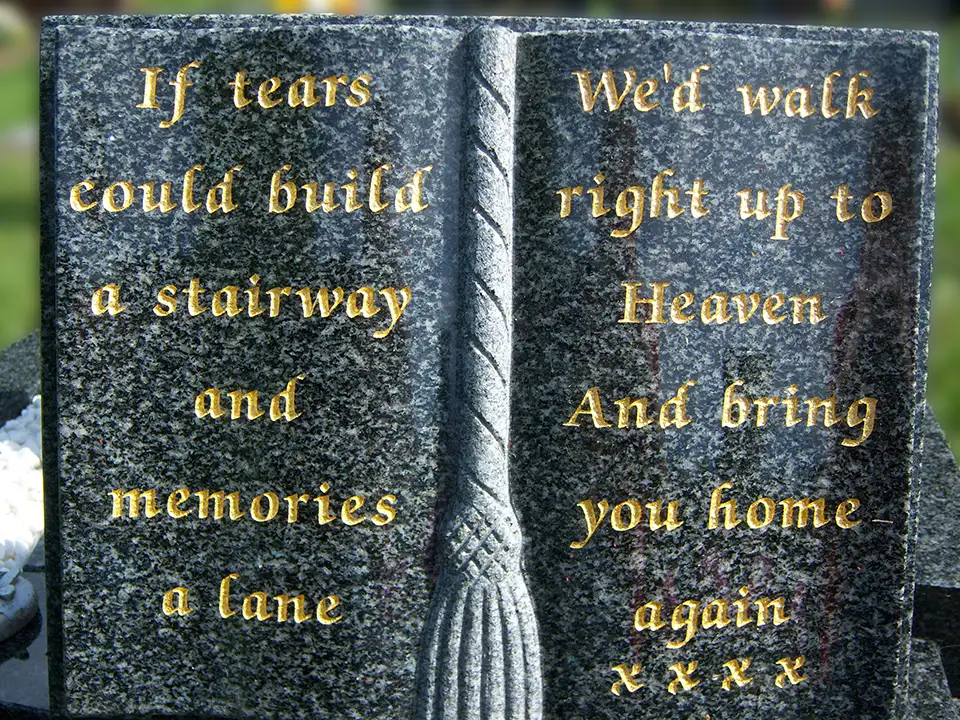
19,376
123,388
120,389
938,546
929,694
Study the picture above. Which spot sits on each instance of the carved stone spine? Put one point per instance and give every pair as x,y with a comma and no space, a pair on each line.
480,656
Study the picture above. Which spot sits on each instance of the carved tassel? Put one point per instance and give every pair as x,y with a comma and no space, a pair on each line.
480,655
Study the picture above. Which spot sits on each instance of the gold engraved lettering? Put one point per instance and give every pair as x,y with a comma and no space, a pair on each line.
327,606
177,602
626,405
264,507
409,196
798,102
684,679
759,210
260,611
350,190
225,302
765,98
826,98
598,207
743,608
149,101
286,396
790,204
376,181
636,514
628,679
324,515
607,85
257,606
716,308
791,667
779,614
220,196
225,610
886,207
736,411
299,608
180,86
737,670
331,84
715,615
658,193
656,518
220,500
165,204
673,412
591,519
771,304
240,85
859,100
360,91
349,507
590,405
648,617
686,617
386,510
804,506
691,89
293,506
282,406
193,298
644,90
76,202
112,306
843,198
207,404
273,507
133,498
789,207
689,617
303,91
175,500
727,507
187,199
631,202
844,511
794,512
267,88
110,203
767,506
566,198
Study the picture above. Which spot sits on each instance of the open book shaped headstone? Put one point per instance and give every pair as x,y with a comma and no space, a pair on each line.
460,368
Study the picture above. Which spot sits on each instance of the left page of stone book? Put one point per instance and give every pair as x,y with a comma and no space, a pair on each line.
248,299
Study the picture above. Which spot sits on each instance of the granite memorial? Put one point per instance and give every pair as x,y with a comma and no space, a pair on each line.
497,369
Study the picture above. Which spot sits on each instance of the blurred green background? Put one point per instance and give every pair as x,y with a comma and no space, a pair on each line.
19,209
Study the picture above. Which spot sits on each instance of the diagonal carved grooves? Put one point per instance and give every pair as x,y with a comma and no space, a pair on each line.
494,225
484,150
483,83
483,352
480,651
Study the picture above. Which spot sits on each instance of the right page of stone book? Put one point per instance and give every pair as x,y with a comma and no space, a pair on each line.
722,246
